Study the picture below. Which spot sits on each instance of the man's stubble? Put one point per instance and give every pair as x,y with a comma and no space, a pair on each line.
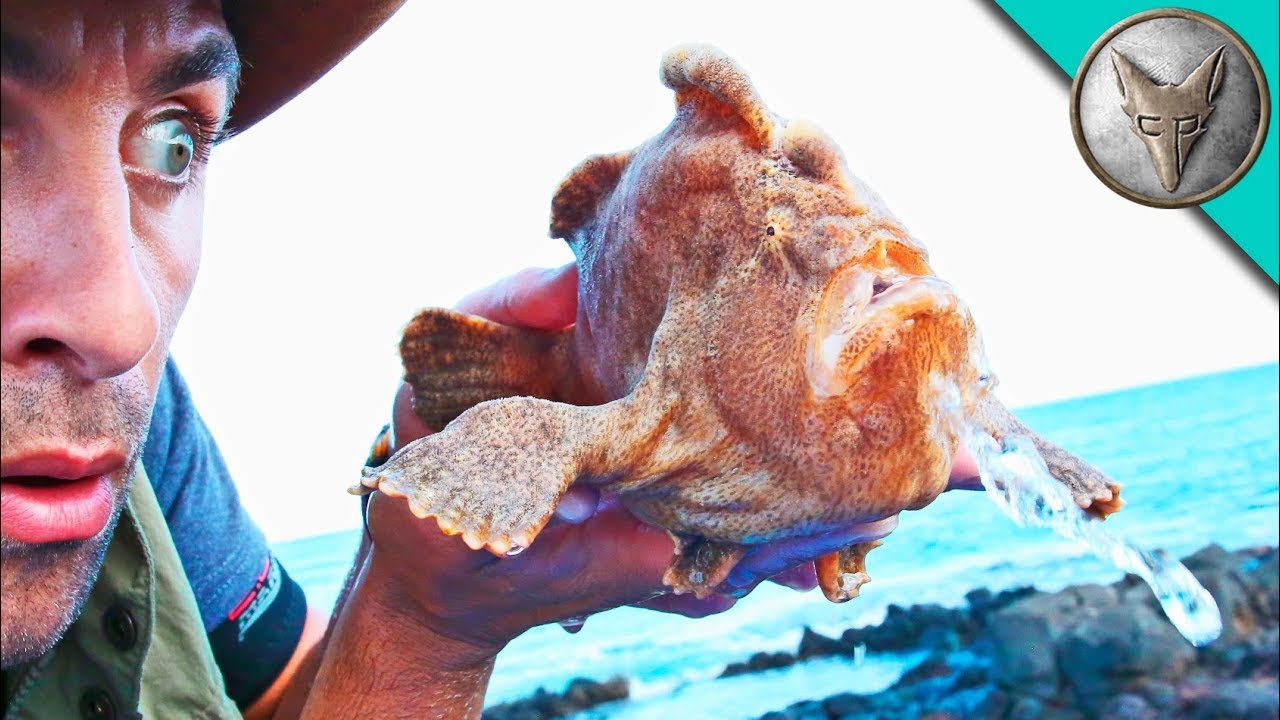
44,587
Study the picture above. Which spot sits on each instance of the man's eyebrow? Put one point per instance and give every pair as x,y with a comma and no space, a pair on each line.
22,60
214,57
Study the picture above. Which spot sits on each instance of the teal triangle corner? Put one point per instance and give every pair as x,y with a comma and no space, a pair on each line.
1248,212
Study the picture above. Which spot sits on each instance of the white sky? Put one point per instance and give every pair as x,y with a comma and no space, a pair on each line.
423,167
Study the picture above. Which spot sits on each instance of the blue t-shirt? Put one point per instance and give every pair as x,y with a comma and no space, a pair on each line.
252,611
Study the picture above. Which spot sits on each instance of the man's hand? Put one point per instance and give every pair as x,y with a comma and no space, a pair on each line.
593,555
424,615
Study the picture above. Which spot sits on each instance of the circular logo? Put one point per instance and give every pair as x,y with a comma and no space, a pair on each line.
1170,108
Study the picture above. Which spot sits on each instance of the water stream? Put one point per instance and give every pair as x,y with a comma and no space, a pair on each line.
1017,480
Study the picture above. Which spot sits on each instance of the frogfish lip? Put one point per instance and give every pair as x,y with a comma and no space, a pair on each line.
861,309
925,291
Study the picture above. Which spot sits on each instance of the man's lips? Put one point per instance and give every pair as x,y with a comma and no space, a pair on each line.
57,496
63,463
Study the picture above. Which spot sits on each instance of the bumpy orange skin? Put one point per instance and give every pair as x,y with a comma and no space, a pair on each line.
726,271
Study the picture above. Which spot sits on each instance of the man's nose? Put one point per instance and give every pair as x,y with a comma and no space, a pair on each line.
79,296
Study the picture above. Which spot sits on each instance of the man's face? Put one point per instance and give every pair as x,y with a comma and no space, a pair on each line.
109,110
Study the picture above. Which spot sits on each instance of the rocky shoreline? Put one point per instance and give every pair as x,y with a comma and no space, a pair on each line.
1085,652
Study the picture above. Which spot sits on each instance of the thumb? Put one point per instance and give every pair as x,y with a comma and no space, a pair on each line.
406,426
543,299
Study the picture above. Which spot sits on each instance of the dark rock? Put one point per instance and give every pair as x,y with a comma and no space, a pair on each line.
1092,596
770,661
807,710
1262,573
1221,574
985,703
982,602
930,626
759,662
1086,652
813,644
1160,694
979,598
847,705
1260,656
1026,708
585,693
1131,590
542,705
515,713
1237,700
1128,706
934,666
853,637
972,676
551,704
992,704
1023,638
1107,652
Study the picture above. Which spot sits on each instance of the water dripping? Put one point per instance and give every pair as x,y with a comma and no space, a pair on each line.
1016,478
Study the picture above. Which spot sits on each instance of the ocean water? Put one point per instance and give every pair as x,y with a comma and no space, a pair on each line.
1200,462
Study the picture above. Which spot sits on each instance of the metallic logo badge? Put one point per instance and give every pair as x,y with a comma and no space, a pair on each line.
1170,108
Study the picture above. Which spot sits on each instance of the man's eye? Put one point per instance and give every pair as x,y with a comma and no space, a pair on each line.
164,146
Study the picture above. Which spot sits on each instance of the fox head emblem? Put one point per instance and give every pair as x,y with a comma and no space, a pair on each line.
1169,118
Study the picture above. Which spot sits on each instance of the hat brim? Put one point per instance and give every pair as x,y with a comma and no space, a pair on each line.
286,45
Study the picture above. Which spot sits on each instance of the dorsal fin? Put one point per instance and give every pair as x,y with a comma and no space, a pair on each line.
706,68
579,194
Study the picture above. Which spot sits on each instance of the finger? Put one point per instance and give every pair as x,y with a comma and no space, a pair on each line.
610,559
406,426
964,472
540,298
609,546
688,605
803,577
577,504
414,542
769,560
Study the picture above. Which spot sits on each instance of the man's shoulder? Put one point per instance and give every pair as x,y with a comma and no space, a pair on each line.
171,427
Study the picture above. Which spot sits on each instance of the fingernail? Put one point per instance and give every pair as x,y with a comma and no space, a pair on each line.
573,624
802,578
577,505
719,603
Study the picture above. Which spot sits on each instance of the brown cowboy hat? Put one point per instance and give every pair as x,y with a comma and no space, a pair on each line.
285,45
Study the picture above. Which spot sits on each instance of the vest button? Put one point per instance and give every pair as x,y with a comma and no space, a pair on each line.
120,627
96,704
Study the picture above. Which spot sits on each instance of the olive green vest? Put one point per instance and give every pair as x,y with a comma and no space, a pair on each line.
138,648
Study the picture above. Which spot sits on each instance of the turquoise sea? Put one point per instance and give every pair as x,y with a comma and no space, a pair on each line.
1199,460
